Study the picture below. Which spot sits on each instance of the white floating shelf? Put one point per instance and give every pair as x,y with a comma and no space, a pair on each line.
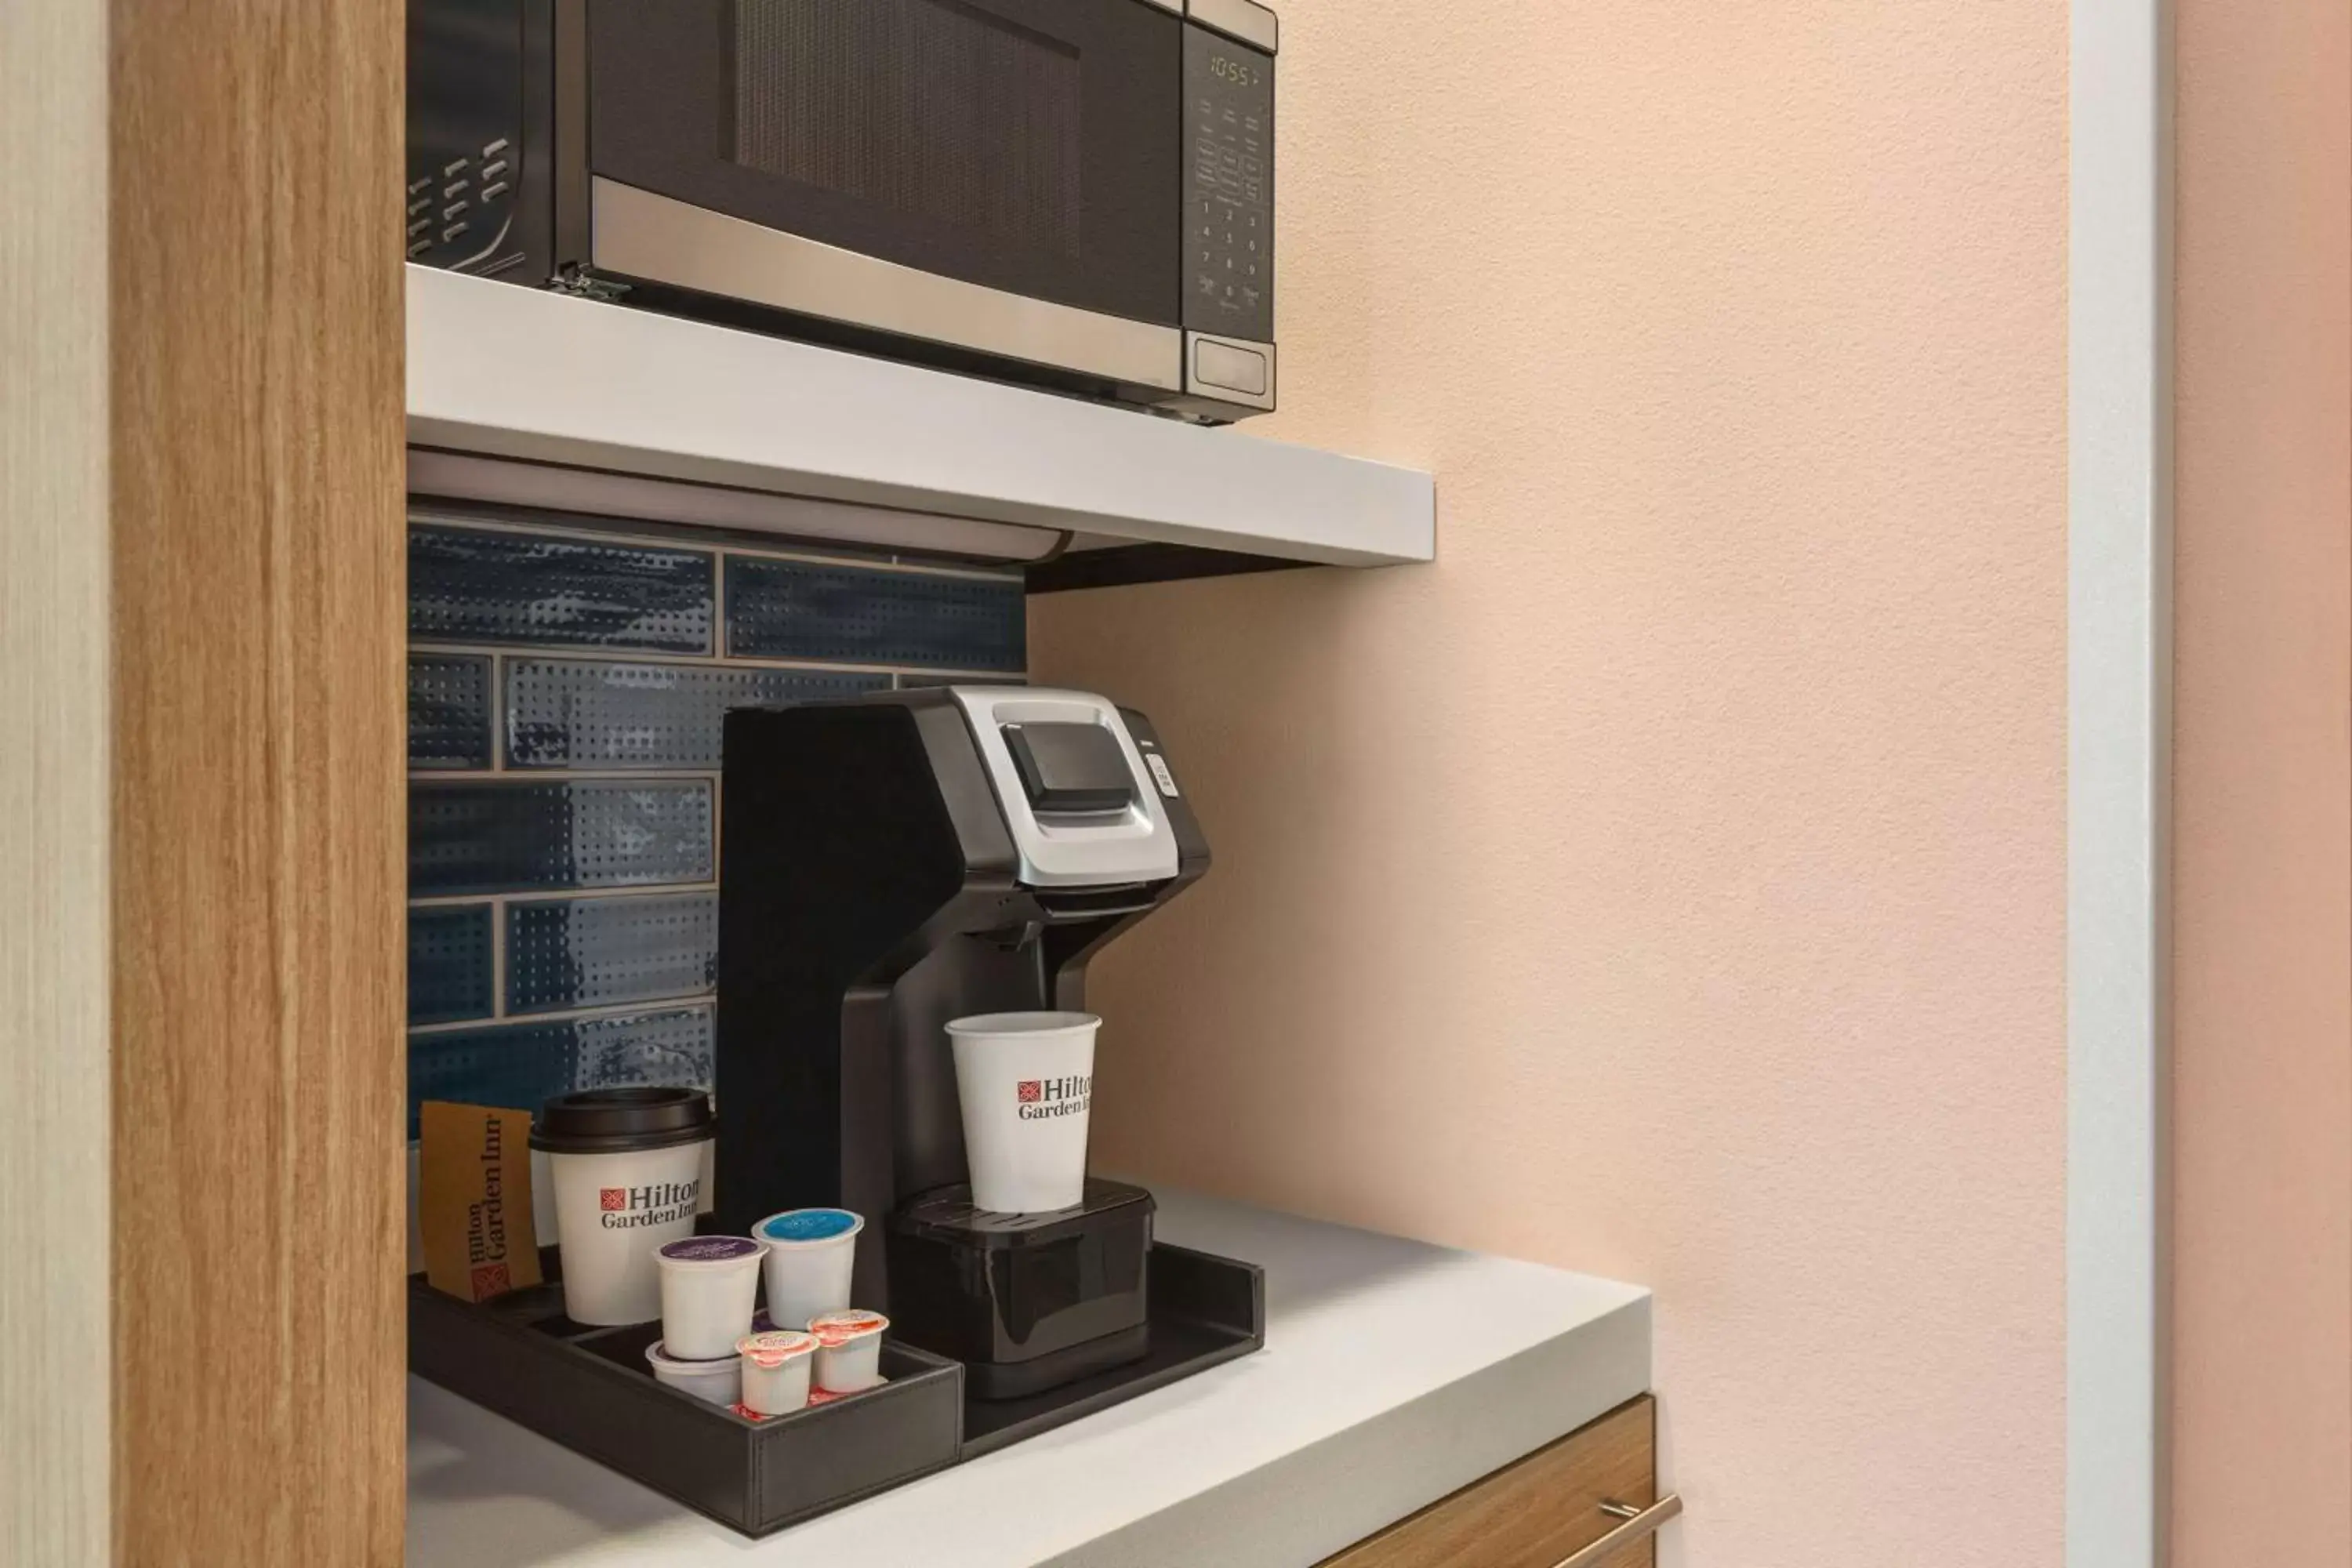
502,370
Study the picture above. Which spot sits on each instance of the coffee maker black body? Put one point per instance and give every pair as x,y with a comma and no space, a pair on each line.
889,863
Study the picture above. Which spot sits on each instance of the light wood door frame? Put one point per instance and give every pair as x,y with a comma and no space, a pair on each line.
204,830
54,1361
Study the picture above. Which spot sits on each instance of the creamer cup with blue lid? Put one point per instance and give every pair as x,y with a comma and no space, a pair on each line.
811,1254
803,1227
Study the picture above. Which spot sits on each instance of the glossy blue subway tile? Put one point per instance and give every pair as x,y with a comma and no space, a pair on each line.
582,713
480,586
519,1066
483,837
450,967
448,710
593,952
798,609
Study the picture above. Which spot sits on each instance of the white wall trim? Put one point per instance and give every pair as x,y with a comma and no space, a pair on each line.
2119,761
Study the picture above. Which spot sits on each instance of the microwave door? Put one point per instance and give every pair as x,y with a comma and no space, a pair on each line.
997,175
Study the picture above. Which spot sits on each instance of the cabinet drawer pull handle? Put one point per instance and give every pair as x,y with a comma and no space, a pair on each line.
1640,1522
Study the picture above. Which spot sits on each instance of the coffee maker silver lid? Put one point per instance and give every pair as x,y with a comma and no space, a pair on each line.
1080,800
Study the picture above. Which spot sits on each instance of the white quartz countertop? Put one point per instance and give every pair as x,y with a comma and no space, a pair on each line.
1393,1372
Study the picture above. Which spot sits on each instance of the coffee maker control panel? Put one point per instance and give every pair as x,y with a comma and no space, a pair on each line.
1070,770
1077,795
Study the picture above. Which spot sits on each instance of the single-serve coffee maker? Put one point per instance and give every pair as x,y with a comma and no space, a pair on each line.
890,863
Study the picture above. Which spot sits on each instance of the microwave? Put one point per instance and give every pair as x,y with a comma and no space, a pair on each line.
1072,193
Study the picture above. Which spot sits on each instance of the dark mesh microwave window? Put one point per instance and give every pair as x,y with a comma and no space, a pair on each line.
925,107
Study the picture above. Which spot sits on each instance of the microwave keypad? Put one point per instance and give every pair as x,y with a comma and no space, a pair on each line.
466,116
1228,188
450,199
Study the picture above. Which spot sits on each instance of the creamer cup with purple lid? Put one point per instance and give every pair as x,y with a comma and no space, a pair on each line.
711,1249
708,1284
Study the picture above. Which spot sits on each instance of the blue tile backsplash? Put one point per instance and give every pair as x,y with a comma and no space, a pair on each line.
567,689
793,609
452,963
568,713
470,586
520,1065
529,838
448,710
563,954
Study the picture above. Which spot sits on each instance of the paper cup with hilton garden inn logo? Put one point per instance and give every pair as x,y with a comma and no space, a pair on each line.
627,1170
1025,1081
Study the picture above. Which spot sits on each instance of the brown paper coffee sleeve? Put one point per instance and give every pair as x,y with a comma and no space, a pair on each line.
474,1198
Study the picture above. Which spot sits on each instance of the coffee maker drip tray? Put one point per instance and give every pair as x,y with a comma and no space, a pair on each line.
1028,1302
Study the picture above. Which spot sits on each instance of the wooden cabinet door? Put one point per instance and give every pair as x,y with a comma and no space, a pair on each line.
1533,1513
202,756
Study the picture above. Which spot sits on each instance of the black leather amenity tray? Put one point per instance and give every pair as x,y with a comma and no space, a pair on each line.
590,1390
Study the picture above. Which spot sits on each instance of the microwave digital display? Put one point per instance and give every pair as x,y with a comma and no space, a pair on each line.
1235,70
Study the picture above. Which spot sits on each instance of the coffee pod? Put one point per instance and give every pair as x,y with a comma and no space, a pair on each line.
809,1256
775,1371
626,1166
1024,1082
849,1349
707,1286
719,1381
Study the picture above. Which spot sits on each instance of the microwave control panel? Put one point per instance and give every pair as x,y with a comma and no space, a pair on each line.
1228,188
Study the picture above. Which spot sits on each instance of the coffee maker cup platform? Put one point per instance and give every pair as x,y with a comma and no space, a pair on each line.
905,861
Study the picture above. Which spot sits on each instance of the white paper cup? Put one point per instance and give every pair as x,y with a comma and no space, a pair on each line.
809,1256
775,1371
1025,1081
849,1349
707,1286
610,1213
719,1381
626,1167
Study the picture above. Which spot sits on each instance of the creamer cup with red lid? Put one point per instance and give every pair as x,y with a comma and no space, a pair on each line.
849,1349
776,1370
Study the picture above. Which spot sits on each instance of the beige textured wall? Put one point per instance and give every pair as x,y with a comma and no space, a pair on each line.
2263,786
1669,882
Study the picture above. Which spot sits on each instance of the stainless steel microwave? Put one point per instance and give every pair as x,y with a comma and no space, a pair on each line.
1077,194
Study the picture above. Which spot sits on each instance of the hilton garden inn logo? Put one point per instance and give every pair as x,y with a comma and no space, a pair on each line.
1044,1097
658,1202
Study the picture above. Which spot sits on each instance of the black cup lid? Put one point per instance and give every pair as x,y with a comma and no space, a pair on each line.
622,1121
